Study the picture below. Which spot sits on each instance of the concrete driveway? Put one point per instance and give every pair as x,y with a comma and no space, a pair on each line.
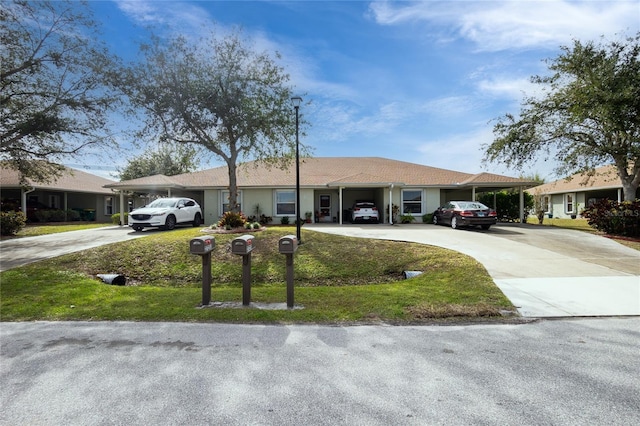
22,251
544,271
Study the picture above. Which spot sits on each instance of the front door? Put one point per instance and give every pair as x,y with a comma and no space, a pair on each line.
325,208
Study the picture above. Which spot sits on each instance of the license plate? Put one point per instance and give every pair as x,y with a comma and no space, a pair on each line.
481,214
365,217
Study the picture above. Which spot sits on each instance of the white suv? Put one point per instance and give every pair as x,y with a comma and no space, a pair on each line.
166,213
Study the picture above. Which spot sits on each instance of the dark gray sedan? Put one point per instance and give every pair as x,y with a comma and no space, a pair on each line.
459,214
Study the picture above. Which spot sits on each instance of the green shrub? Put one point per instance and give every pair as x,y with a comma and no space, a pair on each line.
407,218
256,225
11,222
427,218
73,215
115,218
264,219
507,204
614,218
284,220
232,220
42,215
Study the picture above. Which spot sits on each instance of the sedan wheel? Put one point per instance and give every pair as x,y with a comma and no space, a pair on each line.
454,222
435,220
170,223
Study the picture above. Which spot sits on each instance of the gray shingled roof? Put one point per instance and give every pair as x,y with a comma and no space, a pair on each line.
322,172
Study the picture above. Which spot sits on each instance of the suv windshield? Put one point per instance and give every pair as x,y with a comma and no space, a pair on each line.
162,202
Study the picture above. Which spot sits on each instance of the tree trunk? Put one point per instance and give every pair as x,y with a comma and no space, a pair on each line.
233,187
630,182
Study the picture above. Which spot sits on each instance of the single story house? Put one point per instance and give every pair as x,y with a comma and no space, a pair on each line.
74,190
329,186
565,198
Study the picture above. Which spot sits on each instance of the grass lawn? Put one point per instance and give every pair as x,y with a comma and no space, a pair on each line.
32,230
338,279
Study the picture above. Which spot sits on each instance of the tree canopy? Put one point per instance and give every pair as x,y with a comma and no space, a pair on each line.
168,159
53,102
588,116
216,92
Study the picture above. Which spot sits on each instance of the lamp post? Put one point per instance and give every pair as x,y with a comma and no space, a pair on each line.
296,101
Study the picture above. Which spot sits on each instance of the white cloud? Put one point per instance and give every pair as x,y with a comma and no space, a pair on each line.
507,87
503,25
460,151
175,15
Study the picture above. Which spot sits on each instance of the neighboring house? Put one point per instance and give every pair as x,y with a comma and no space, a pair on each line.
74,190
565,198
328,188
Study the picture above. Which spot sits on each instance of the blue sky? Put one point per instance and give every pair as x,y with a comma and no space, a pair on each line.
412,81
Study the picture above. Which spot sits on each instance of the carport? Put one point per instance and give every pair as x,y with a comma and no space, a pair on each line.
158,185
363,187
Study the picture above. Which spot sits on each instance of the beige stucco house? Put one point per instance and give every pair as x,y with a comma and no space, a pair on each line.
328,188
565,198
74,190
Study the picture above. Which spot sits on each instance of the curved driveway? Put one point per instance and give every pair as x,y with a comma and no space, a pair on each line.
544,271
22,251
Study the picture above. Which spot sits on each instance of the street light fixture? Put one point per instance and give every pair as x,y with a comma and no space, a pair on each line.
296,101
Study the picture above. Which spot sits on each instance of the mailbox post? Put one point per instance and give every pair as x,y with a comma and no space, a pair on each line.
288,245
243,246
203,246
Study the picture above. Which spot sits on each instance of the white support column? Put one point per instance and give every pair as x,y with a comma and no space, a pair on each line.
619,195
23,201
391,204
473,193
122,211
340,206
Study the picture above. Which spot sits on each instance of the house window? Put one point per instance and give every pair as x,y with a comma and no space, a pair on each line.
54,201
225,201
412,202
285,203
569,203
108,206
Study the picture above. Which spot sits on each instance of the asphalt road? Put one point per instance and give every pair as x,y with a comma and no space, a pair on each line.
560,372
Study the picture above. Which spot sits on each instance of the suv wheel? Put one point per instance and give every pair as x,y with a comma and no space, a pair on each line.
170,223
197,220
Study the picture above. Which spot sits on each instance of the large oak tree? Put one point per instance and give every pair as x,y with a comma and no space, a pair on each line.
589,114
53,101
216,92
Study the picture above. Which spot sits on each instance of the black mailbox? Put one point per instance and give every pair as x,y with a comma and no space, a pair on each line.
288,244
242,245
202,245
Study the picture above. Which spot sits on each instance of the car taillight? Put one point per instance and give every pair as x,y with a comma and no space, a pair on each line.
374,209
466,213
493,213
357,209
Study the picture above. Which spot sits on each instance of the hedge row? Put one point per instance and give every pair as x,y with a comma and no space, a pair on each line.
614,218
